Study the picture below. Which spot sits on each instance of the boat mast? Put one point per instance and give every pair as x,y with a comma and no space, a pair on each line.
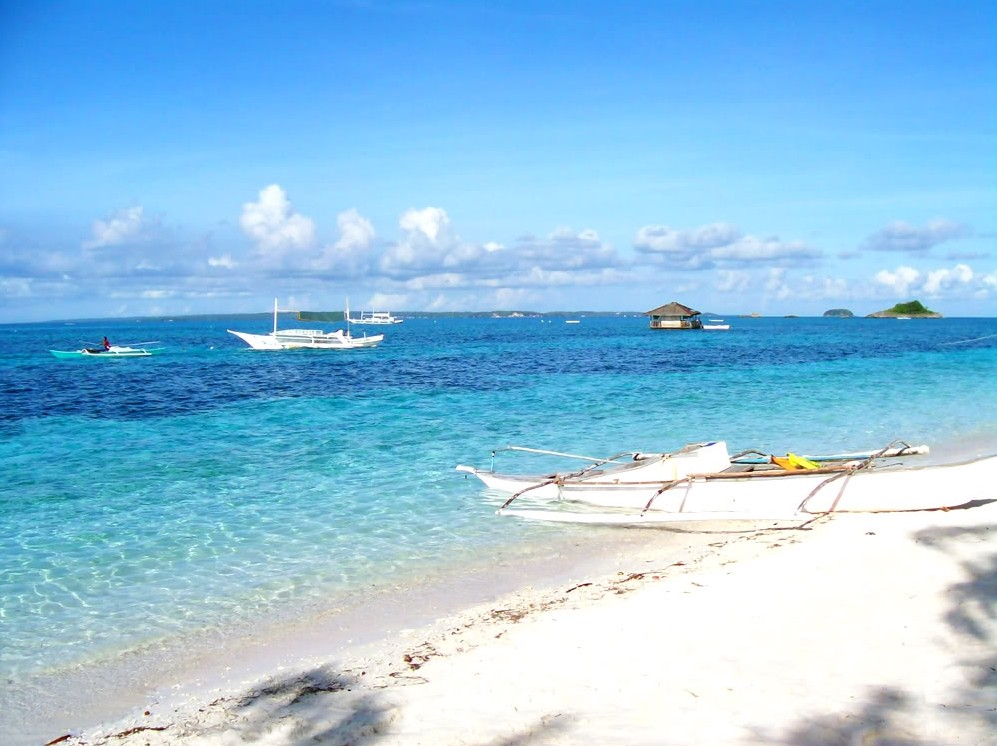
275,316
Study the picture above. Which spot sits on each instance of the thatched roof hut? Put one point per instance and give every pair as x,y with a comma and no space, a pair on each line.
674,315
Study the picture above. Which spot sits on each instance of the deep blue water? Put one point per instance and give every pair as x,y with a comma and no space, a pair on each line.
145,498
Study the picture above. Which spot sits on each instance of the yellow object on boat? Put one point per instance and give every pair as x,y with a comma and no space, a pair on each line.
791,462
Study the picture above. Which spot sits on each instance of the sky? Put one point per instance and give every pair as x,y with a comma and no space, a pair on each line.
174,158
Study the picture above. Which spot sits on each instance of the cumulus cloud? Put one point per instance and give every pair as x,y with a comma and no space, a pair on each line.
941,279
425,243
351,254
899,281
661,239
430,224
429,246
752,249
355,231
274,226
717,243
565,249
126,226
946,282
903,237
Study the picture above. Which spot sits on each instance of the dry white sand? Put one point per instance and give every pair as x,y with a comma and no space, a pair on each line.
860,629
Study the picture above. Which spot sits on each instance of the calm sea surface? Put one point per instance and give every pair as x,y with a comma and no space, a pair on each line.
145,499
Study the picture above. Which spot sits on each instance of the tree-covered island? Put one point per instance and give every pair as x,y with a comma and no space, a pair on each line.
913,309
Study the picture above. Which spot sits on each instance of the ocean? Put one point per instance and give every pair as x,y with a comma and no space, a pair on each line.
148,504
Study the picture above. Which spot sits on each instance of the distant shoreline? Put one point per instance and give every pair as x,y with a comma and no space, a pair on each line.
267,316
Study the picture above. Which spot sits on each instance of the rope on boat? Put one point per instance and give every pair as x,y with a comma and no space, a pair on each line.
595,461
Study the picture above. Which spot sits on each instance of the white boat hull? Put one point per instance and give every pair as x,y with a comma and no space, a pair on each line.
666,487
766,494
307,339
653,470
694,459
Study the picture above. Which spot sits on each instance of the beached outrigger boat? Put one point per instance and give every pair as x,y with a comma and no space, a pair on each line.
702,482
316,339
114,352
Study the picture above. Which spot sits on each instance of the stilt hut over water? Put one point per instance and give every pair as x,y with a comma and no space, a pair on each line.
674,316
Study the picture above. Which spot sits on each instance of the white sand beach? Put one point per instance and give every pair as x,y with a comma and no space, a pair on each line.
855,629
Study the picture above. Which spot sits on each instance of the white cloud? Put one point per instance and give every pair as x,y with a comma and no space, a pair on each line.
564,249
899,281
957,281
430,222
717,243
750,249
424,245
940,279
123,227
661,239
225,261
351,254
437,281
355,231
901,236
273,224
386,302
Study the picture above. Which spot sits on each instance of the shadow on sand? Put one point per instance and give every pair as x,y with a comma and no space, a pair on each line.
900,717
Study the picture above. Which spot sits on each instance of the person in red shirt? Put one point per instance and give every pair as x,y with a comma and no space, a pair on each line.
107,345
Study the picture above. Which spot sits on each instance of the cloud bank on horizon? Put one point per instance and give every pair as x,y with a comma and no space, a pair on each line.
425,264
593,174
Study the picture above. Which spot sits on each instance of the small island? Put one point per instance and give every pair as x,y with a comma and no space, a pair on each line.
839,313
914,310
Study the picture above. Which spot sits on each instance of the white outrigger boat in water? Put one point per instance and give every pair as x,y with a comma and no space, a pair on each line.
377,318
316,339
702,482
114,352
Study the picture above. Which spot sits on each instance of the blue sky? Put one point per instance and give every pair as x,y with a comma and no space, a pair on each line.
770,157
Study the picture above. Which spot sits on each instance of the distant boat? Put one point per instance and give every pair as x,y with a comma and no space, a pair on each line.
376,317
572,321
903,318
716,327
114,352
315,339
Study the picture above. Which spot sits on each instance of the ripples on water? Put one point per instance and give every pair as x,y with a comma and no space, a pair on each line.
148,497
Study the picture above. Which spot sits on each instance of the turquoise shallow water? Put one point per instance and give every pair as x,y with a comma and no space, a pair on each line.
147,499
